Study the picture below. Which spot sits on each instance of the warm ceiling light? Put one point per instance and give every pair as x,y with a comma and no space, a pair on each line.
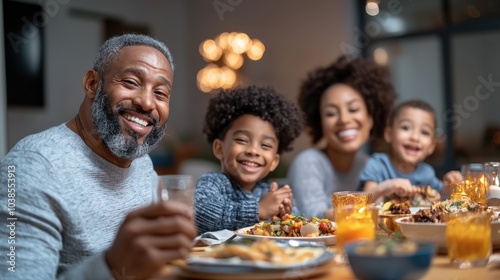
230,38
233,60
240,43
226,52
208,77
256,51
228,77
221,40
372,8
210,50
212,76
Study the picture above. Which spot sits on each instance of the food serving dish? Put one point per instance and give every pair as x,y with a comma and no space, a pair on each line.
387,221
328,240
206,267
436,232
411,265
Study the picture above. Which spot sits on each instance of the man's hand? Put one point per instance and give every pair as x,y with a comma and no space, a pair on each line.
149,238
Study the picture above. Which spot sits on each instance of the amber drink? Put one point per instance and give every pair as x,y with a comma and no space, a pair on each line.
474,188
457,190
354,223
351,198
475,181
468,238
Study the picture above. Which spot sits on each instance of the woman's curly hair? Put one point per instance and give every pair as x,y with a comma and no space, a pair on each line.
263,102
364,75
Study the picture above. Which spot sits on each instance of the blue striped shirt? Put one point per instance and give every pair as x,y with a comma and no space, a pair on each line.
220,204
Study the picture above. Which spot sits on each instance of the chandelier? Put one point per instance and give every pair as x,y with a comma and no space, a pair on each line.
225,55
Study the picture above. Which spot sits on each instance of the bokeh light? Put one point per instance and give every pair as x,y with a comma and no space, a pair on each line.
225,55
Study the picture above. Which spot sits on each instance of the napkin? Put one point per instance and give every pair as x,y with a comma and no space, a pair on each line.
494,261
213,237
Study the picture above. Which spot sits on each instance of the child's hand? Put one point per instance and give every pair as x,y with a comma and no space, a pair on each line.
400,187
287,203
275,202
451,177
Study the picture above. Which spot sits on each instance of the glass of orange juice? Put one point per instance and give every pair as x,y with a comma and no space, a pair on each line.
468,238
354,223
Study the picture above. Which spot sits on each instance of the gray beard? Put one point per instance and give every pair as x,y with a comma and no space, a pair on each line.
108,128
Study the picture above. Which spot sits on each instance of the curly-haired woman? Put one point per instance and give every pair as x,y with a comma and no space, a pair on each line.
248,128
344,106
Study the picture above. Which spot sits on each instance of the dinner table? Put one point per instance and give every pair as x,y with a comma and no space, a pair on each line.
440,268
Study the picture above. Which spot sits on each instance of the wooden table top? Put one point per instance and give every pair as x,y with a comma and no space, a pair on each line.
440,269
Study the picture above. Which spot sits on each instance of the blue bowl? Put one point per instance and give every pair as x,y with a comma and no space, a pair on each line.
391,267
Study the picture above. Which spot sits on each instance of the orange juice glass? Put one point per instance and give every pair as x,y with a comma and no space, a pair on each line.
354,223
468,238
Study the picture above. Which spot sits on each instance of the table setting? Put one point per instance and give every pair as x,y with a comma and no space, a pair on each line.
466,245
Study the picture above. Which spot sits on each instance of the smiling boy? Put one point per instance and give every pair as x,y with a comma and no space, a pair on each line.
248,128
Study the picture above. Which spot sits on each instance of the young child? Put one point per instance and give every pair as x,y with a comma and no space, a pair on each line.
248,128
411,134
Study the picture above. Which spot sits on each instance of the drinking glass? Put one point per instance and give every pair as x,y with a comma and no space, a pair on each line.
354,223
458,189
468,238
475,181
472,170
351,198
474,189
492,172
175,187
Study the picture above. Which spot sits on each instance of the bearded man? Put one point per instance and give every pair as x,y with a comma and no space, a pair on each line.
83,190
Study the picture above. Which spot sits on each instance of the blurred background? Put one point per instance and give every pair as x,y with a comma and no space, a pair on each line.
442,51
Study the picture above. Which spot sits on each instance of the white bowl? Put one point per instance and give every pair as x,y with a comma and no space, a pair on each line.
436,232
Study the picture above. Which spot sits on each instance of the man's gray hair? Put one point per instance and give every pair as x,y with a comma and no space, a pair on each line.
109,50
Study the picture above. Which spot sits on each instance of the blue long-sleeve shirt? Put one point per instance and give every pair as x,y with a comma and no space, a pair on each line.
379,168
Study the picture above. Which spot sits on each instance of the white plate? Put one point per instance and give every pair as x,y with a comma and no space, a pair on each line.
235,265
234,268
328,240
185,272
436,232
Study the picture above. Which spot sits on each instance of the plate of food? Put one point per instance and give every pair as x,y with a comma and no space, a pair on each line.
258,259
291,227
392,210
424,197
429,225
